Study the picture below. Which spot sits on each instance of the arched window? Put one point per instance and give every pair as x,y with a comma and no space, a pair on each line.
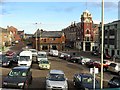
87,32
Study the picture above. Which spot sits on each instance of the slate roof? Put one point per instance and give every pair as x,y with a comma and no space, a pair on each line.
48,34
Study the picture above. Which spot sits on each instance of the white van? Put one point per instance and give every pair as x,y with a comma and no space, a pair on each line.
25,58
42,56
53,52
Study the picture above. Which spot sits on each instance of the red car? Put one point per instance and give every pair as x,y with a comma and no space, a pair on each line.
10,54
106,63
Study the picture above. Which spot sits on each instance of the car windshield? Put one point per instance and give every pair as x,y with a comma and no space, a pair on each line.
34,51
15,73
44,62
87,80
42,56
3,58
116,80
57,77
24,58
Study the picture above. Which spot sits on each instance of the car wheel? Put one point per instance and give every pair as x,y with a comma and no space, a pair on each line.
31,80
26,85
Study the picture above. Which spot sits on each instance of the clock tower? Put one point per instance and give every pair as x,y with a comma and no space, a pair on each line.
86,31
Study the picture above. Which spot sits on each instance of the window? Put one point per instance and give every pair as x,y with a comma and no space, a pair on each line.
44,40
53,39
87,32
118,53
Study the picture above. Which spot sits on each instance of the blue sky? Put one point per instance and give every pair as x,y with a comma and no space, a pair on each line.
52,16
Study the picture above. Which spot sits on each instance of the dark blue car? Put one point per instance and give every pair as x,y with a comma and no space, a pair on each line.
84,81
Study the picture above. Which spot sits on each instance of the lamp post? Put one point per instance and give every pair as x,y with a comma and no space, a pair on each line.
36,38
102,43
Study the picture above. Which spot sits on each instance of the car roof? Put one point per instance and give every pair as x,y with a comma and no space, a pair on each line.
84,75
41,52
56,72
32,49
21,68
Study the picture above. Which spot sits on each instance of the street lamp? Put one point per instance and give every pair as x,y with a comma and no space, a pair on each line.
36,38
36,35
102,43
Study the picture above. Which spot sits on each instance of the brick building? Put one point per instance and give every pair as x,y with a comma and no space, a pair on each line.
84,35
47,40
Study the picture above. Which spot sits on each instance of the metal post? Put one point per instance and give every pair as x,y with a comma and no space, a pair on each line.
102,43
36,37
40,40
94,78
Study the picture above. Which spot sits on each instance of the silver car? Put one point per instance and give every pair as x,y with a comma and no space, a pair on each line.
114,67
56,80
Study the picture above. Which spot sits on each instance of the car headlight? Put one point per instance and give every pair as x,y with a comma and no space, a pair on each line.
4,83
20,84
86,89
8,62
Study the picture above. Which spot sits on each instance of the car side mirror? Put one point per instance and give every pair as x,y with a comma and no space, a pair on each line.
66,78
17,56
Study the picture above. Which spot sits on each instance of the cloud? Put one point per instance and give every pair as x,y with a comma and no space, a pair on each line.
107,5
61,9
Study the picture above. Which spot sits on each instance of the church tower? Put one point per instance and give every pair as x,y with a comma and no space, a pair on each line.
86,30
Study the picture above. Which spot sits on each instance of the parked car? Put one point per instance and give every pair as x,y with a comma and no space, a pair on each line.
95,53
25,58
18,77
75,59
114,82
67,56
56,80
106,56
84,81
106,63
53,53
44,64
10,54
83,60
34,52
42,55
114,67
8,62
61,55
90,64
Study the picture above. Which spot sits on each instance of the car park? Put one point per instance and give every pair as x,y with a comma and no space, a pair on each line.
18,77
84,81
56,80
42,55
114,82
44,64
114,67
